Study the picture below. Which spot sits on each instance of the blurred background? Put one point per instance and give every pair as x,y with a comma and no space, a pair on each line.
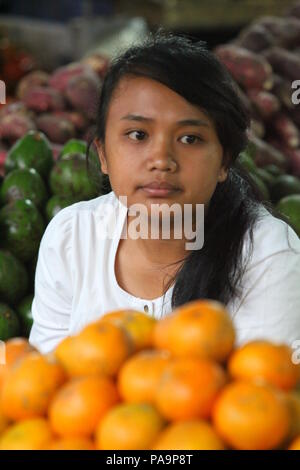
56,32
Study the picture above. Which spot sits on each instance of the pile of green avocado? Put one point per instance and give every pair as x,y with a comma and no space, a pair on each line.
35,188
279,189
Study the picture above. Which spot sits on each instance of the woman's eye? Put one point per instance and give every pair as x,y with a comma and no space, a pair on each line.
136,135
190,139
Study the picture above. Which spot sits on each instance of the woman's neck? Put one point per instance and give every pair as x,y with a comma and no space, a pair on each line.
158,251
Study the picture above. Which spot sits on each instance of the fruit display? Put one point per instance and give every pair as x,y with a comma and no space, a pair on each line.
130,382
14,63
62,105
34,188
264,62
43,172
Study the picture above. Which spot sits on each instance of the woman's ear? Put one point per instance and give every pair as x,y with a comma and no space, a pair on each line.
101,154
223,173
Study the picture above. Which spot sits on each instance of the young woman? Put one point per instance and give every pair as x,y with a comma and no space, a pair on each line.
170,129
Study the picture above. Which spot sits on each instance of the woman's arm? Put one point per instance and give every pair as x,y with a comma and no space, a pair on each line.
51,307
270,305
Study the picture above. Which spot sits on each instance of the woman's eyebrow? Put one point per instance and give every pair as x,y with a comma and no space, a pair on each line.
184,122
135,117
193,122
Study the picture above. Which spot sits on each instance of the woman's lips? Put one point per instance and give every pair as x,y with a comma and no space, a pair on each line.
158,192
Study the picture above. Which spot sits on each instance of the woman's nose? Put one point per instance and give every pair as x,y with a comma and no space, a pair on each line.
162,158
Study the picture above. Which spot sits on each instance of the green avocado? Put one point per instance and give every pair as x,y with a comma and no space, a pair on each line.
94,167
290,207
69,177
9,323
73,156
13,278
31,151
56,203
25,315
274,169
74,146
21,228
80,146
246,157
284,185
24,184
265,176
246,161
261,186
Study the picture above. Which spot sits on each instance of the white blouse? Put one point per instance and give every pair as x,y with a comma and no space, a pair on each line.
75,280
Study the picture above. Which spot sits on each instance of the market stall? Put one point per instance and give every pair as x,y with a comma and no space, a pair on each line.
179,382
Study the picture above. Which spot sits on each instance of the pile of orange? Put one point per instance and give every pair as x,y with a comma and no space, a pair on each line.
129,381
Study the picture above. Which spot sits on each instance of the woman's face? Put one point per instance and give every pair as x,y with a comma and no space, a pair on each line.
153,135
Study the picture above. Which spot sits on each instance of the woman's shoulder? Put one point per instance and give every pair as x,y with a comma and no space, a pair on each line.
90,206
81,217
81,209
271,236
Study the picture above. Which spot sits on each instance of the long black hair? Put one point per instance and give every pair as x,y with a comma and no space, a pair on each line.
191,70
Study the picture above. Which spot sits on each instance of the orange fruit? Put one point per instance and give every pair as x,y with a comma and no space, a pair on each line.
139,376
188,435
138,325
188,388
200,328
100,348
32,434
80,404
129,426
293,403
15,348
71,443
266,362
161,333
4,422
295,445
30,386
250,416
